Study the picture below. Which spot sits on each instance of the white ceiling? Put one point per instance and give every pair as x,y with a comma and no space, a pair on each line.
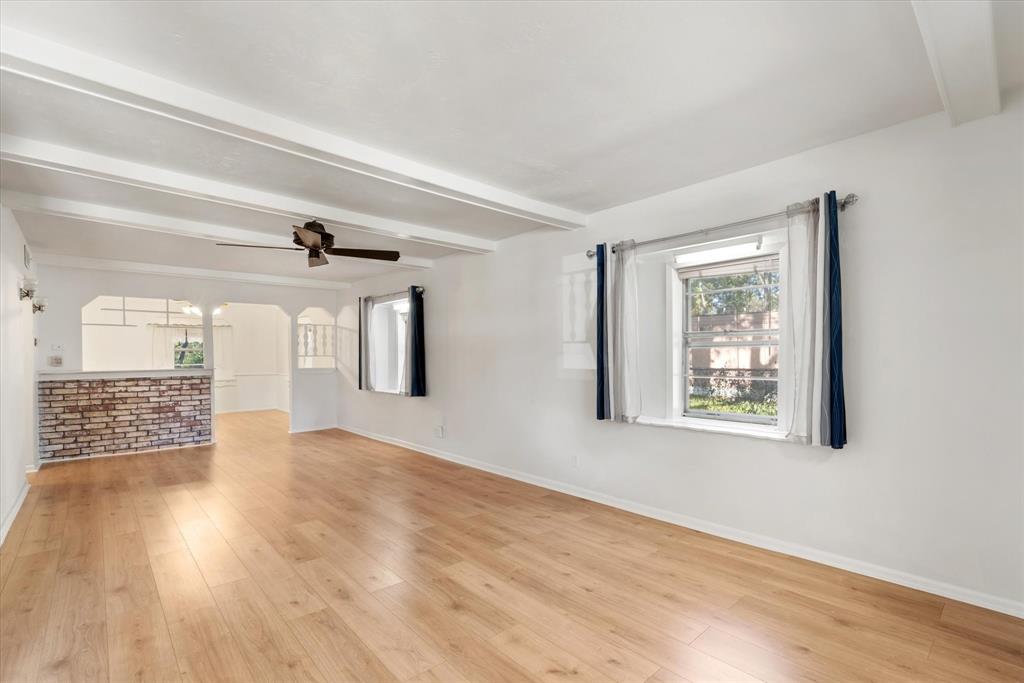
39,111
432,127
587,105
49,234
36,181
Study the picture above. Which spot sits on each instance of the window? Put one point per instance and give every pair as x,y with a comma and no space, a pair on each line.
730,340
392,349
388,321
188,351
730,334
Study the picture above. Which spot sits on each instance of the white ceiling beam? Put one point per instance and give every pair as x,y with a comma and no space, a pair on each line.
113,265
959,37
79,162
60,65
140,220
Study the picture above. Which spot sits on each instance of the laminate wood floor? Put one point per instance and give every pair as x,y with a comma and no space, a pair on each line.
330,557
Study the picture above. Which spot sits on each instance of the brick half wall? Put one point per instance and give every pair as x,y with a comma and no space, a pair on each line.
87,417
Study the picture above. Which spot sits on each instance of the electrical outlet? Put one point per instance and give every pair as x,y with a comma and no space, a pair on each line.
440,432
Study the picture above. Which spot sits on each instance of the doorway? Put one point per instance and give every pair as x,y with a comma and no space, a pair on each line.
252,352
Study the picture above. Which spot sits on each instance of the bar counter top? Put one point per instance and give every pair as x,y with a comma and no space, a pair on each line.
121,374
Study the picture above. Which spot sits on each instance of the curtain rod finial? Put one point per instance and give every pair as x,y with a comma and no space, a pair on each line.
847,201
591,253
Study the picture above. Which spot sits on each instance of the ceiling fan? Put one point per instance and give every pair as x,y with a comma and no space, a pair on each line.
318,242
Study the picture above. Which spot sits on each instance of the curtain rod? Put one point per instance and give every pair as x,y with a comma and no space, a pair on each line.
846,201
197,326
401,291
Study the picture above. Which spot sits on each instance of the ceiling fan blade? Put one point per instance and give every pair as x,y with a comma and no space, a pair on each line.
317,258
378,254
308,237
258,246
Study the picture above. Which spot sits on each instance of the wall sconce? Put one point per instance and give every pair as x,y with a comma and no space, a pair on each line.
38,305
27,290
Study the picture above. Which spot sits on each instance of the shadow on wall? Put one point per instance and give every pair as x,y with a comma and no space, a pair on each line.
348,343
579,287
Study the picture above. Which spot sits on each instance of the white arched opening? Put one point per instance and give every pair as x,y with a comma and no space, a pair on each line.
315,332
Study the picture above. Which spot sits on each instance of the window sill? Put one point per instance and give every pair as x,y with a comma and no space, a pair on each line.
755,431
315,371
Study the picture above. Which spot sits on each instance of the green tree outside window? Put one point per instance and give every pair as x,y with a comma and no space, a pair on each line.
188,354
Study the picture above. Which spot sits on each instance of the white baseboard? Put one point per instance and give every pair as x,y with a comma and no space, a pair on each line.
946,590
9,517
312,429
250,410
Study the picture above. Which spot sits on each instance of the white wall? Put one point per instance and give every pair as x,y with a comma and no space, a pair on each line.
927,493
17,387
259,348
118,348
68,289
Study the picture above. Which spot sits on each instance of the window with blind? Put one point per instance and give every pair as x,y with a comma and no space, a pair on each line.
730,338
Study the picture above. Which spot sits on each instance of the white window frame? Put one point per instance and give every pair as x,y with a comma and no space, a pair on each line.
681,407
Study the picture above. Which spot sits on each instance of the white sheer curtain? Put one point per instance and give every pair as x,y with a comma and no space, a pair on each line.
164,337
820,361
162,347
800,370
624,334
365,343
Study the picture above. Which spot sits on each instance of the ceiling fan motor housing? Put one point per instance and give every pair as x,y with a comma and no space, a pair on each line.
326,238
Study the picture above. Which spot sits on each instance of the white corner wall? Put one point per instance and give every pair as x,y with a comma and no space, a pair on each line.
929,491
70,288
17,388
